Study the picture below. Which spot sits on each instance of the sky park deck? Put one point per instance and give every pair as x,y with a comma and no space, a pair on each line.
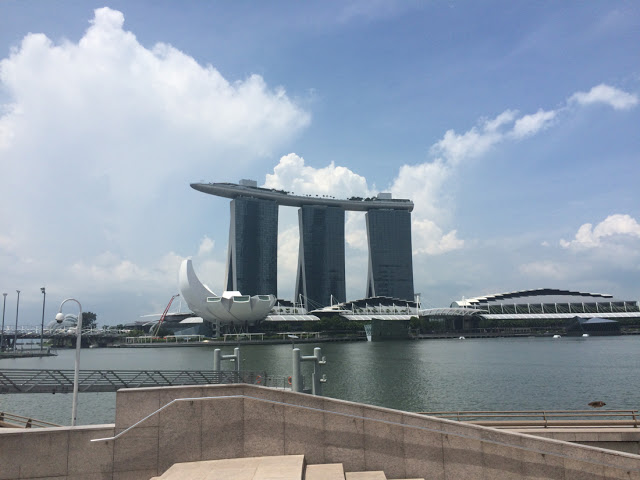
281,197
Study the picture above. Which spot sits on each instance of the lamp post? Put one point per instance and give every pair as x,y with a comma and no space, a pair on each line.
59,319
15,334
4,304
44,298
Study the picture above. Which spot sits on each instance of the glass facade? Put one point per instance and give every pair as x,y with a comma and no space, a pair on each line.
390,256
252,260
321,271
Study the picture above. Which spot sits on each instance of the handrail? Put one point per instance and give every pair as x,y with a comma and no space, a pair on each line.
60,381
11,419
544,418
358,417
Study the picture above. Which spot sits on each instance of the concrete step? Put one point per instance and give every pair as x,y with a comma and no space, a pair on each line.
373,475
284,467
327,471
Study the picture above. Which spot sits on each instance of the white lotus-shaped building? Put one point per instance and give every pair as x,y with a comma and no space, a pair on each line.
231,307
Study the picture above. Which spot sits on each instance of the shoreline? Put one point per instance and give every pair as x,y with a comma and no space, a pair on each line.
427,336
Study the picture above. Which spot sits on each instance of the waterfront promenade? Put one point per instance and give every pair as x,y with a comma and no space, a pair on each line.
158,427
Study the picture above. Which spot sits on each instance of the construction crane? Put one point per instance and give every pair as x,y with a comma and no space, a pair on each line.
164,314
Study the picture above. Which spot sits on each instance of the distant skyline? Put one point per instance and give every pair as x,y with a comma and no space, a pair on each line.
513,127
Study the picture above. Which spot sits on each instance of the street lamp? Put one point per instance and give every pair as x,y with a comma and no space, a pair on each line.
15,334
4,304
44,297
59,319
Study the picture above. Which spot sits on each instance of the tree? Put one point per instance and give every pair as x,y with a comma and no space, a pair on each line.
89,320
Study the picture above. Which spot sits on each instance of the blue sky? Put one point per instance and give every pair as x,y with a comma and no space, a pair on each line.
513,126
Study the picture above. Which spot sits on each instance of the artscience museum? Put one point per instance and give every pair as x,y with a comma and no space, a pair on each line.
230,308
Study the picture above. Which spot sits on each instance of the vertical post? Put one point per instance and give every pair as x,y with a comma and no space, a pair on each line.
216,359
4,304
316,388
15,334
74,405
296,377
76,373
297,381
44,297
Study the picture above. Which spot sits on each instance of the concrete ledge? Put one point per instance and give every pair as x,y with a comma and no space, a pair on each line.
620,439
56,452
260,421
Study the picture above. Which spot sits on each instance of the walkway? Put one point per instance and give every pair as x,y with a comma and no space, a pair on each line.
61,381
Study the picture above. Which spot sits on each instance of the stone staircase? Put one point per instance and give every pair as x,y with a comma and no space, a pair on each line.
284,467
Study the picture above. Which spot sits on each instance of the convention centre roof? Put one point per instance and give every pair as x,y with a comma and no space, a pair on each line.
556,316
538,295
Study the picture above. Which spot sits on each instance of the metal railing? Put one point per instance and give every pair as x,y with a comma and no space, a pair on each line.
544,418
10,420
591,461
61,381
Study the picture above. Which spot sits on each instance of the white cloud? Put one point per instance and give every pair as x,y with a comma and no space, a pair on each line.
613,226
113,272
456,148
614,97
99,139
545,270
292,174
431,239
206,246
531,124
288,247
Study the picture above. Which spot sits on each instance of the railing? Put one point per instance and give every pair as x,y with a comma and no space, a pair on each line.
30,349
166,339
61,381
10,420
592,461
544,418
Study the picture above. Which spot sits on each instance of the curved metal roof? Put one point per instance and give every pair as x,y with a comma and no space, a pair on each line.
232,190
291,318
369,317
450,312
538,292
557,316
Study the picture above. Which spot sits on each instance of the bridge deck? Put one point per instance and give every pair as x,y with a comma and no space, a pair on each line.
61,381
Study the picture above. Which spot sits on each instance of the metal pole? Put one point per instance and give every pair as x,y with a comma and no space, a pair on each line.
4,304
236,353
74,404
44,298
296,376
15,334
216,359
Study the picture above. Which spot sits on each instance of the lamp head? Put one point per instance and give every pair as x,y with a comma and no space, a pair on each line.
59,317
42,289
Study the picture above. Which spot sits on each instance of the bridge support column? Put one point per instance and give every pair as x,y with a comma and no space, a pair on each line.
218,357
317,379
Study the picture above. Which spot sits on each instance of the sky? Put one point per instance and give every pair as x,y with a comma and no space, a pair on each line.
513,126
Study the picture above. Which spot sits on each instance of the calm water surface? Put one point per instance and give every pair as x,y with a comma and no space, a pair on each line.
427,375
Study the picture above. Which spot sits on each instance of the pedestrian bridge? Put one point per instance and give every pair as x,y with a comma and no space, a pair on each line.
61,381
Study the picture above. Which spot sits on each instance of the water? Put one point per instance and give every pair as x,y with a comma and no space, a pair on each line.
427,375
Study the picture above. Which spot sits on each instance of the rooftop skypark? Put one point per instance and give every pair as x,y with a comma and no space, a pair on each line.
281,197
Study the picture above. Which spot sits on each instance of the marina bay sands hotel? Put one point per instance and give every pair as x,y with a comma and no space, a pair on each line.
253,243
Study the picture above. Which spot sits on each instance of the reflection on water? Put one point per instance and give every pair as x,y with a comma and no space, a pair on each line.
428,375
